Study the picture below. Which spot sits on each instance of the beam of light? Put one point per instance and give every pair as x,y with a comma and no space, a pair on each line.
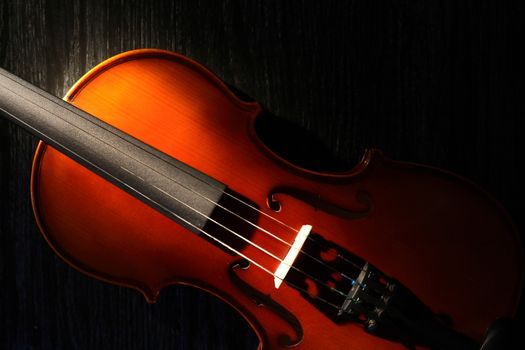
287,262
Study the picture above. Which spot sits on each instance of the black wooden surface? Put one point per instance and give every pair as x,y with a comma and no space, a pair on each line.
427,81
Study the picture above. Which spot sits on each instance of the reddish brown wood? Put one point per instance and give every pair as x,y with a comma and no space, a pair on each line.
443,237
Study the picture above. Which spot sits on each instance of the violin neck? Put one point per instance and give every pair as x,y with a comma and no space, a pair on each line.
153,177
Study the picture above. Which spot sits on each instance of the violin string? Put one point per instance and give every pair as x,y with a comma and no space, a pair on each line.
73,110
257,210
301,251
205,216
256,245
235,251
342,257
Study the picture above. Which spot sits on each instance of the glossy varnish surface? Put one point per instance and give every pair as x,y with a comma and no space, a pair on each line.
420,230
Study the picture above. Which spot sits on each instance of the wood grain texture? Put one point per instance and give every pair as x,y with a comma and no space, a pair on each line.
433,82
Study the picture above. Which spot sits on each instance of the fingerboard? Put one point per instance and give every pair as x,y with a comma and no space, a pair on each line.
173,188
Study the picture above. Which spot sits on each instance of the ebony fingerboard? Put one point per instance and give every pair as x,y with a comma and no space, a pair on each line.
173,188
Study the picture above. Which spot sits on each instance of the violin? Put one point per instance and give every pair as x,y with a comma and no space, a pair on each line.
150,173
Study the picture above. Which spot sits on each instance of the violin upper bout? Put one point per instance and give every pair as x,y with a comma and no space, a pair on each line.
169,69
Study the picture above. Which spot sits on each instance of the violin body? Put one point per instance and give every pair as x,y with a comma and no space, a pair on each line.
441,236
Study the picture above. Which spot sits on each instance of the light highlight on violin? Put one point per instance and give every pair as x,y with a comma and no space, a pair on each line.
152,174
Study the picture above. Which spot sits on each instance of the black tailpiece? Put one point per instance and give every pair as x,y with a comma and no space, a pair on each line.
357,291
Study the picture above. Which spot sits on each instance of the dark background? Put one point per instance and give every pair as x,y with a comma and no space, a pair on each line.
431,82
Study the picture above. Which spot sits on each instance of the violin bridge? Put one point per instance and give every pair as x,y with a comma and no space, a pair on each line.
287,262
